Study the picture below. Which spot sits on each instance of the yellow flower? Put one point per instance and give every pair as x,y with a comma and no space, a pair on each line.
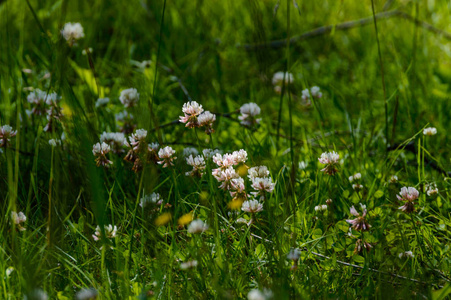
163,219
185,219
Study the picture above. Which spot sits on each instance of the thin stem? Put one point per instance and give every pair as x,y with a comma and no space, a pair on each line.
382,72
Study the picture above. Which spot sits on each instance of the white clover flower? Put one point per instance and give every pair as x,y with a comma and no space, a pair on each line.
294,254
313,92
241,221
407,254
100,151
102,102
249,111
225,176
393,179
239,156
431,189
188,265
197,226
87,294
72,32
262,186
209,153
153,198
331,160
207,119
224,161
191,111
116,140
430,131
357,186
277,78
6,132
110,232
198,164
84,52
356,176
321,207
129,97
166,156
55,142
19,219
190,151
259,171
256,294
303,165
138,140
38,99
252,206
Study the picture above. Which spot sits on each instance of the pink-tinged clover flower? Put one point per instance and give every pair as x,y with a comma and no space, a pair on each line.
409,195
6,132
100,151
262,186
198,164
359,223
166,156
191,111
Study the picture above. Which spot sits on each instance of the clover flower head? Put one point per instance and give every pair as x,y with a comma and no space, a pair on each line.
153,198
190,151
110,232
18,219
303,165
393,179
331,160
258,171
249,111
262,186
321,207
197,226
191,111
129,97
225,176
72,32
209,153
206,120
313,92
430,131
431,189
166,156
407,254
38,99
102,102
100,151
256,294
55,142
138,140
359,223
198,164
238,189
188,265
356,177
239,156
294,254
116,140
252,206
6,132
87,294
277,78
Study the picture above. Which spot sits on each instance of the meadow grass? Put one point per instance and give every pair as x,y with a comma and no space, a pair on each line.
93,216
